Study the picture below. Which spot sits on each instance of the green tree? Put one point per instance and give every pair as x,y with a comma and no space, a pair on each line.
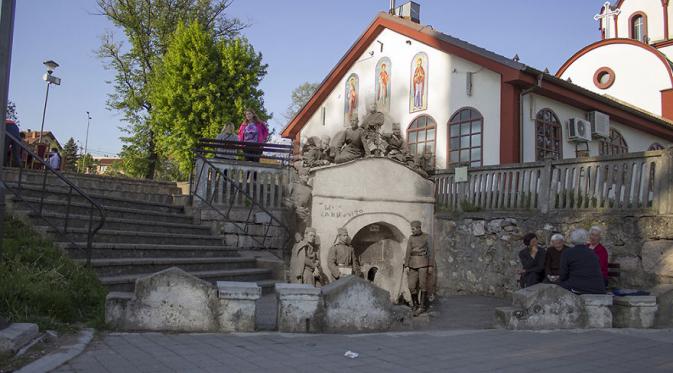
148,26
201,84
300,97
70,156
87,164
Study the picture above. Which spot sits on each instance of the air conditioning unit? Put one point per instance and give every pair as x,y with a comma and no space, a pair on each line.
579,130
600,124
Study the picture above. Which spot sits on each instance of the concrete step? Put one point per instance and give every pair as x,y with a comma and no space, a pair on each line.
115,236
135,250
61,194
132,266
127,282
97,182
166,199
82,221
113,212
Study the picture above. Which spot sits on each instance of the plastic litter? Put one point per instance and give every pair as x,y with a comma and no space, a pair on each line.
351,354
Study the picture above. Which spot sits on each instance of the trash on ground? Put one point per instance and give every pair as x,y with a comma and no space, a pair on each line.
351,354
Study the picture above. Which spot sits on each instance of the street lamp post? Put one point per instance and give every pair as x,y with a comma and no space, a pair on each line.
50,79
88,122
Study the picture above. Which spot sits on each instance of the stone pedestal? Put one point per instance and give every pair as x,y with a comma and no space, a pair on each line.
634,311
237,305
297,308
597,309
542,306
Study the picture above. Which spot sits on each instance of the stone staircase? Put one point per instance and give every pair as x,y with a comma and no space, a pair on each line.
145,230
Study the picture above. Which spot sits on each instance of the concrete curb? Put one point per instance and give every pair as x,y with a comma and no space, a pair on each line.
60,356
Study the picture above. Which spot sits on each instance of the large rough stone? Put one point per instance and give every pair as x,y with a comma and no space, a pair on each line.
635,311
658,258
352,304
298,306
664,316
597,310
543,306
15,336
237,305
169,300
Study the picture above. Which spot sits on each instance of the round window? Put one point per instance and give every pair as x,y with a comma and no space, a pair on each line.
604,78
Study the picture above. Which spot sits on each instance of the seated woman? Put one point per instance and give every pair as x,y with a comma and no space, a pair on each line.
580,271
552,262
532,259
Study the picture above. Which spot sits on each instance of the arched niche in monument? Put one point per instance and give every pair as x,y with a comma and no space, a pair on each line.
369,194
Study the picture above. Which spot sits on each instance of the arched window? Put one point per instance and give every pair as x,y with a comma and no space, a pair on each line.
421,137
614,144
466,129
639,27
656,146
548,136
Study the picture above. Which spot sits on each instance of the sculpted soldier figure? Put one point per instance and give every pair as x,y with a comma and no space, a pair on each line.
312,153
417,262
372,124
396,147
305,261
353,145
326,151
341,259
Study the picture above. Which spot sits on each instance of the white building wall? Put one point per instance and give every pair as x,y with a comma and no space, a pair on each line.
655,18
446,94
636,140
640,75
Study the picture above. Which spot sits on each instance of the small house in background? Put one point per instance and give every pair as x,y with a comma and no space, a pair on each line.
104,163
32,138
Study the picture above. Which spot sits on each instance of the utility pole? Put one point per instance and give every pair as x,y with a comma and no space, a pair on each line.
6,33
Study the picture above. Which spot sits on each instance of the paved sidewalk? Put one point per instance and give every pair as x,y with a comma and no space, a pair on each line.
455,351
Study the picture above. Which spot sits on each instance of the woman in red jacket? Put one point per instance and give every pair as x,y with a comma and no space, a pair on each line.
253,130
600,251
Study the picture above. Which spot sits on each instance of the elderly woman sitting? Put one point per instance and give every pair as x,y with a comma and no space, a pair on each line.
532,259
552,261
600,251
580,271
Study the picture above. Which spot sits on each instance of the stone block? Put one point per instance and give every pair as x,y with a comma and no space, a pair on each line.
237,305
17,335
352,304
169,300
664,316
298,306
546,306
658,257
597,310
634,311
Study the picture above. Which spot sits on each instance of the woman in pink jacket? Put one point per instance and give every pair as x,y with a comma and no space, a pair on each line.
253,130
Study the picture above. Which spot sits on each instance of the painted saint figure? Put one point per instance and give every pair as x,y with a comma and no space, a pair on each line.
418,262
382,86
351,97
419,82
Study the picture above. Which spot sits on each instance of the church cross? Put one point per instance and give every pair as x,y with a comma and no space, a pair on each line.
606,15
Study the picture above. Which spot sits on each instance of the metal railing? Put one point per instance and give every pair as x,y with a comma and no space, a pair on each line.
20,188
626,182
246,187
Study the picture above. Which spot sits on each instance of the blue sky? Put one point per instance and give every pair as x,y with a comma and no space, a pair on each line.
301,40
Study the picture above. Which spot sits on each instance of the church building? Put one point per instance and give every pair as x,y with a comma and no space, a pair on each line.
458,103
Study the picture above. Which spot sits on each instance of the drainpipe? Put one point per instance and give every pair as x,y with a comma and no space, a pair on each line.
521,95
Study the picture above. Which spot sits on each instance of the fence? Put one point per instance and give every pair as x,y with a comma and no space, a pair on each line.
634,181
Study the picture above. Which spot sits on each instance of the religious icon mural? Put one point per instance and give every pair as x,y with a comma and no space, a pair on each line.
351,98
418,95
383,85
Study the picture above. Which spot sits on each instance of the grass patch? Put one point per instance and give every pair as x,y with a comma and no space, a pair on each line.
42,285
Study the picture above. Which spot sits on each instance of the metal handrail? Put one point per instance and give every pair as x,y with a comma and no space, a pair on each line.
91,232
253,203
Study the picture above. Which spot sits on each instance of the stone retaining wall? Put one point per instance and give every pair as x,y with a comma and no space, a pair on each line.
477,253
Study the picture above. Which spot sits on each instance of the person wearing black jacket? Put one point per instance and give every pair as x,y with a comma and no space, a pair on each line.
532,259
580,270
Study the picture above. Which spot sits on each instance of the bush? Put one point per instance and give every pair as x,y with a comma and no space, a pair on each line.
42,285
